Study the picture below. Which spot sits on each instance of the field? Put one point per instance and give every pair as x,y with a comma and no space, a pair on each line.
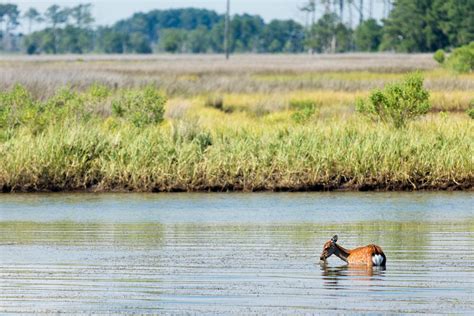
254,123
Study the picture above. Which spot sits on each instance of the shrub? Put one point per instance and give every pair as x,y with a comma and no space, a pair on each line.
461,59
98,91
397,103
142,107
17,107
439,56
305,109
470,111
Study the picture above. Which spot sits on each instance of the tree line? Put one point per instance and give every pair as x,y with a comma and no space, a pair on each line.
409,26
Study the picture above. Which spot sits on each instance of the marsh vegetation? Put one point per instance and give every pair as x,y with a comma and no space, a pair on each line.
197,123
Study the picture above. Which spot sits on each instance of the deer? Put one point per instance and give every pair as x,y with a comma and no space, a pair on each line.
370,255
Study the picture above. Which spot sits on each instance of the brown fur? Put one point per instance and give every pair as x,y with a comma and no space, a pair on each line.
357,256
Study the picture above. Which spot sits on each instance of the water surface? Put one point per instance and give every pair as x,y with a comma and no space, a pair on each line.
234,253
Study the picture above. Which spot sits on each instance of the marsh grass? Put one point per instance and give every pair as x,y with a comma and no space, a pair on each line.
286,123
431,154
192,76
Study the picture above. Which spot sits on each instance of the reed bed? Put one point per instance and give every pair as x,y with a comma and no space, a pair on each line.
287,123
435,153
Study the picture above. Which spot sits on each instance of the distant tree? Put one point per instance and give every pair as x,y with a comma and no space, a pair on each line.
199,40
282,36
111,41
9,15
343,37
75,40
216,38
82,15
245,33
368,36
428,25
138,43
33,16
172,40
458,21
322,33
55,17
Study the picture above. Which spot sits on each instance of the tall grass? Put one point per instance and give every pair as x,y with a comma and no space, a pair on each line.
284,124
435,153
204,75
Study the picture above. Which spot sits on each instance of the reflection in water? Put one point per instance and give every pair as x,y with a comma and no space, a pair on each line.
332,275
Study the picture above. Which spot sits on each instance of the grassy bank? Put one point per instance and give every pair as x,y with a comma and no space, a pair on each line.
107,138
433,154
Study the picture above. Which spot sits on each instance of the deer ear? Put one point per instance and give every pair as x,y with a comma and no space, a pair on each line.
334,239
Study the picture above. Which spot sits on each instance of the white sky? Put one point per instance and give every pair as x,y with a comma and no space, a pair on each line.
107,12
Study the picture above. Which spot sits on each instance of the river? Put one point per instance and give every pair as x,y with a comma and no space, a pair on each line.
234,253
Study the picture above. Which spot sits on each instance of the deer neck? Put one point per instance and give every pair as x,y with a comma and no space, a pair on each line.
342,253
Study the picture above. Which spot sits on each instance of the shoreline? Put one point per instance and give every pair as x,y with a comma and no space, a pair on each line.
447,187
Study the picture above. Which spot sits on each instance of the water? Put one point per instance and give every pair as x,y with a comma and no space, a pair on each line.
234,253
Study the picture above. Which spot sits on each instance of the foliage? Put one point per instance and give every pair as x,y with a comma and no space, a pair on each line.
328,35
172,40
282,37
397,103
461,59
368,36
65,142
413,26
141,106
423,26
305,109
439,56
16,106
470,111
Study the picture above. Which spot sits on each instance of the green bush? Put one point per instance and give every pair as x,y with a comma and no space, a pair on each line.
17,107
470,111
98,92
397,103
439,56
142,107
305,109
461,59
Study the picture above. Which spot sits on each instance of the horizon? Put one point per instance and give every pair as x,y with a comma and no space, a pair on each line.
268,10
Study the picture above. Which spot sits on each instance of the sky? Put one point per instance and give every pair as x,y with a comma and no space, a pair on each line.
106,12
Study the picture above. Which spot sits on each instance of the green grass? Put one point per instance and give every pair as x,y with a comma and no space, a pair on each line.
435,153
240,132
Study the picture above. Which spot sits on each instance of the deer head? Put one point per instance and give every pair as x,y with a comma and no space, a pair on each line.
329,248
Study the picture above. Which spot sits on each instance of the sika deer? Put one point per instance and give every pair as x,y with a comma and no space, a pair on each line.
370,255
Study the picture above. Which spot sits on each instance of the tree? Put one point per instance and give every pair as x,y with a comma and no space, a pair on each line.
198,40
244,33
368,36
33,16
282,36
138,43
9,15
323,33
56,16
82,15
343,38
172,40
111,41
428,25
398,102
458,21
